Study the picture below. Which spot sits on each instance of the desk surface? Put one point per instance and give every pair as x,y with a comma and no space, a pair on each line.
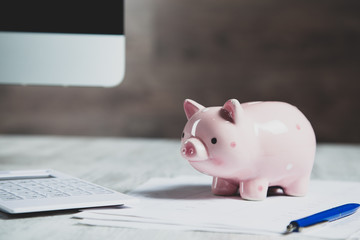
123,164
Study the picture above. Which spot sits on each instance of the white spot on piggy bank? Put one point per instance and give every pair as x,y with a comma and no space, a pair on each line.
250,147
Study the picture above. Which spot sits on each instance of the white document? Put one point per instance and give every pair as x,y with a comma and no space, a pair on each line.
186,203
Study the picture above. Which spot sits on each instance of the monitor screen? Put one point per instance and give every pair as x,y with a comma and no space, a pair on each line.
62,43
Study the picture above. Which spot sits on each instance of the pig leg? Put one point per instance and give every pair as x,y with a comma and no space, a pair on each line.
255,189
225,187
297,187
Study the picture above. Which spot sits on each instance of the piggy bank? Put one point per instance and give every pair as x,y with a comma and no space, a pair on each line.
250,147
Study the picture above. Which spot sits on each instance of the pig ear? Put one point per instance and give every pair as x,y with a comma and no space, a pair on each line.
191,107
234,110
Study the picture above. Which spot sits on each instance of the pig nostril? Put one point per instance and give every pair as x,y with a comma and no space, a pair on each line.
183,151
191,151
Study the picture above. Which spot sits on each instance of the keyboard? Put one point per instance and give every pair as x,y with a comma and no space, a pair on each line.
49,190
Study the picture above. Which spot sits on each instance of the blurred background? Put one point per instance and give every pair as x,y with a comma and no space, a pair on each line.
304,52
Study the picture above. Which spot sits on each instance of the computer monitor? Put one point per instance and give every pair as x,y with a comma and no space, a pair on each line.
66,43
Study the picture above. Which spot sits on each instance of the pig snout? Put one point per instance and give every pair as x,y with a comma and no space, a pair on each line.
194,150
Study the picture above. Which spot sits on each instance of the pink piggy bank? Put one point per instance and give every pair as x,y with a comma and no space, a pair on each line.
250,147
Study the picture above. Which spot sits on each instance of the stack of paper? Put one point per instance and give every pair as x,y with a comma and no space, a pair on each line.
186,203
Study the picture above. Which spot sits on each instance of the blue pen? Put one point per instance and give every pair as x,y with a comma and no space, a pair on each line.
321,217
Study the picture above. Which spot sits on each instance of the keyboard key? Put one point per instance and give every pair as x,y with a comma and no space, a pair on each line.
10,197
57,194
79,193
33,196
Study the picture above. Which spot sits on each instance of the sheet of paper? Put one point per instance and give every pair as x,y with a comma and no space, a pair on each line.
187,203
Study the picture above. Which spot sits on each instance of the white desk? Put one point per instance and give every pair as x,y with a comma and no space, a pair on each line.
122,164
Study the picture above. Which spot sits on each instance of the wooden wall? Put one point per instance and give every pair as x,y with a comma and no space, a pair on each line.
304,52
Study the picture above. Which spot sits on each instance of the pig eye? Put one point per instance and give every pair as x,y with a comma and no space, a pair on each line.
213,140
182,135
